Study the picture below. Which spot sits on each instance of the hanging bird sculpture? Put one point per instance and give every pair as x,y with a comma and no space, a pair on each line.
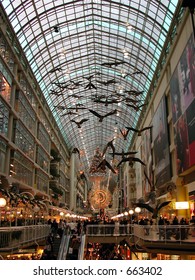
139,131
124,133
130,160
110,64
68,113
80,122
90,85
103,164
155,210
135,73
55,69
106,83
104,116
123,154
109,144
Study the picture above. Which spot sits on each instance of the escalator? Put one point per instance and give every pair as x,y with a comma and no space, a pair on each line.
64,245
76,248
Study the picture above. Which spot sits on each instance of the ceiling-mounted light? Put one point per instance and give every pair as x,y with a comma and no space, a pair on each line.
123,72
125,53
63,52
120,89
129,27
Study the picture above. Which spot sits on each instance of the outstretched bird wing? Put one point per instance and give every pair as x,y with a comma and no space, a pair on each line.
146,206
77,123
111,113
60,107
83,120
163,204
120,163
123,153
131,159
90,85
68,113
95,113
138,160
109,144
147,127
124,133
55,69
110,167
110,64
131,128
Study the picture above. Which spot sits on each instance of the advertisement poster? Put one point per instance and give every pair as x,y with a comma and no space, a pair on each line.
182,86
161,144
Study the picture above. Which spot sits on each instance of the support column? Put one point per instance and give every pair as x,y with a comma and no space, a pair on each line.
72,183
181,196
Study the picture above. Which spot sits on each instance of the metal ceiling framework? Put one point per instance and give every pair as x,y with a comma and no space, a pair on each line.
72,47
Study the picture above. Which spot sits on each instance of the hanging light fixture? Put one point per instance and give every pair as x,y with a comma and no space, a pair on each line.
3,202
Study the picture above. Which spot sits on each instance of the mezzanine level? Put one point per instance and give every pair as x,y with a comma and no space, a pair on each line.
180,238
16,237
146,238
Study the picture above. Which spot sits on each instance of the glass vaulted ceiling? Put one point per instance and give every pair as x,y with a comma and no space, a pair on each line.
72,47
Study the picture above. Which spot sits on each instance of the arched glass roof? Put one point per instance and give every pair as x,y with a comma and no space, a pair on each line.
93,55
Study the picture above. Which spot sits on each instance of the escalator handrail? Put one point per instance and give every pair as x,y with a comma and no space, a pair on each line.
64,244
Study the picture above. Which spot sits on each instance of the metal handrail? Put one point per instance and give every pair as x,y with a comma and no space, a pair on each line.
165,233
152,233
64,244
108,230
17,236
82,247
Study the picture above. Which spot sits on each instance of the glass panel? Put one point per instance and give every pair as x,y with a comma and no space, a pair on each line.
43,137
21,169
42,159
95,56
4,118
42,181
2,155
25,111
23,139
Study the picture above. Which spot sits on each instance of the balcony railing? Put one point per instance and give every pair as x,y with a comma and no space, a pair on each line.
154,233
108,230
166,233
15,237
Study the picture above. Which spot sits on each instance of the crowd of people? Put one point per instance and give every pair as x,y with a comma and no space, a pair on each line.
56,232
176,232
117,227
